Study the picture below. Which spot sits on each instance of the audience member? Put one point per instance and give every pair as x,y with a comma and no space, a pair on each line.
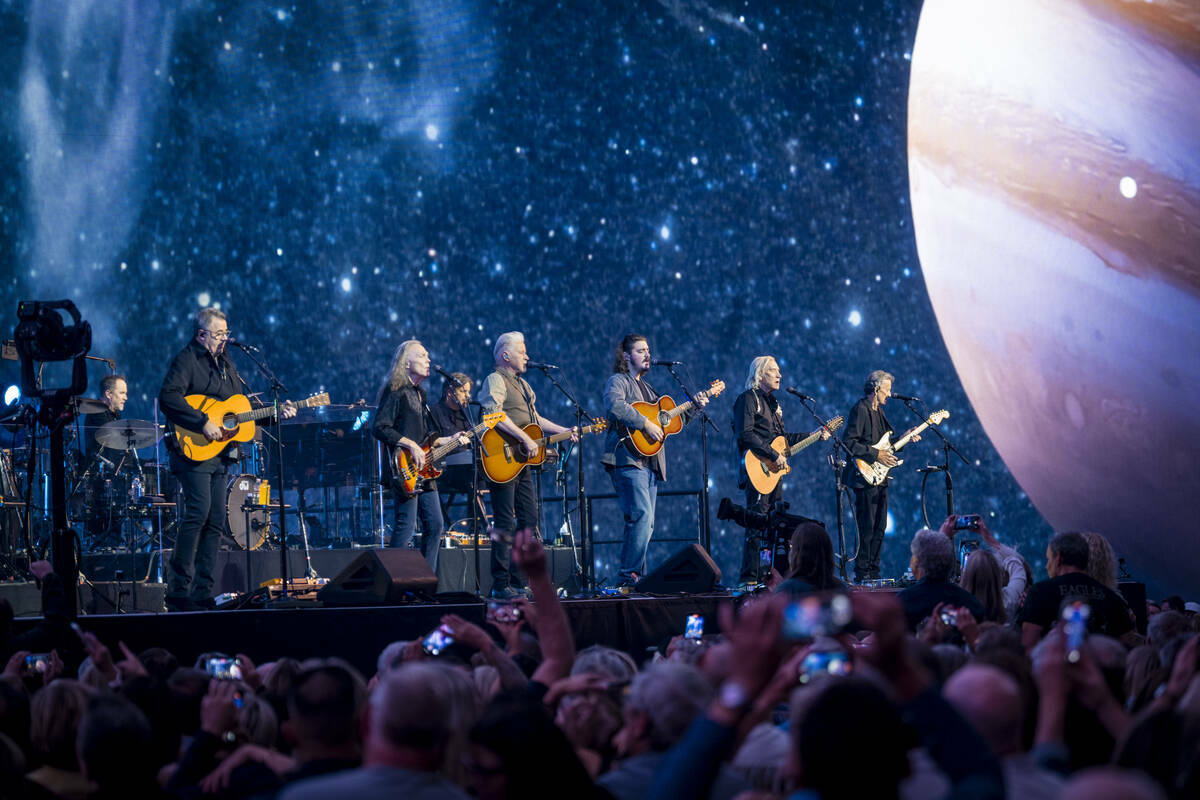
932,562
810,562
984,578
1102,561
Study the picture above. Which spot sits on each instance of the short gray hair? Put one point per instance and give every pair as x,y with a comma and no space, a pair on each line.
205,316
875,378
504,341
670,695
935,554
605,661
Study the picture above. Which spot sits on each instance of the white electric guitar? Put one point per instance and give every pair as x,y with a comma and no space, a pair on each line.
875,473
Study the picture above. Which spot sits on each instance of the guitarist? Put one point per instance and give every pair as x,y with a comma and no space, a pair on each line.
404,420
202,367
757,420
514,504
865,425
635,477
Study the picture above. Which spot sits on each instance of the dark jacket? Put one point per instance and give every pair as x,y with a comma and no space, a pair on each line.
757,420
922,597
196,371
864,428
620,393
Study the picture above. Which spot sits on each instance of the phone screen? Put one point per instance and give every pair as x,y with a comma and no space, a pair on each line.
968,522
224,669
694,629
499,611
35,663
835,662
816,615
441,638
1075,616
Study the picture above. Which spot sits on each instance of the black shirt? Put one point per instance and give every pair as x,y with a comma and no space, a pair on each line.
1043,604
865,426
757,420
197,371
449,420
403,413
922,597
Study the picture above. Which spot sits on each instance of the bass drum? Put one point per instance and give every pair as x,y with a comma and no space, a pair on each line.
241,487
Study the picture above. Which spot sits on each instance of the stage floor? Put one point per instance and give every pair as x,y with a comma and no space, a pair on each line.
359,634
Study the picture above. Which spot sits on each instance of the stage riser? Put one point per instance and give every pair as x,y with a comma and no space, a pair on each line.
99,598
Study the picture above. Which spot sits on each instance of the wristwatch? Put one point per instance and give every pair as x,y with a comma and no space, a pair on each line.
734,697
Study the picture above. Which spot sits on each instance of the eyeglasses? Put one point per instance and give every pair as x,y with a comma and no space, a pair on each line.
216,334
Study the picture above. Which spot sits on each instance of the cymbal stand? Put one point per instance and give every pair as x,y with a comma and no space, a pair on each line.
706,422
161,483
839,467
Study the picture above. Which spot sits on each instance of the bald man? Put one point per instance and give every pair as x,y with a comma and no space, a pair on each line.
991,701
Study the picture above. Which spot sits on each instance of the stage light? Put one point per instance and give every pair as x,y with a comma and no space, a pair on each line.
12,395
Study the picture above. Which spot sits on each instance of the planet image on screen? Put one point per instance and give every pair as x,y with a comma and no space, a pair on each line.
1055,180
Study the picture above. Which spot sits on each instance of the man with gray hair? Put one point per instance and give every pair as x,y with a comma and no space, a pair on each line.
662,702
515,503
932,562
991,701
406,734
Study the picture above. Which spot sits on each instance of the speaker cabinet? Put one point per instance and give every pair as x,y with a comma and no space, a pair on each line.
381,576
690,571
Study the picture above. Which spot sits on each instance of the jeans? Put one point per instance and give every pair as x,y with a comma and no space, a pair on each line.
870,514
514,508
428,506
190,570
753,570
637,492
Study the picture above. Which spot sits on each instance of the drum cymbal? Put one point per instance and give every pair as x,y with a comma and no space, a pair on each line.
90,405
128,434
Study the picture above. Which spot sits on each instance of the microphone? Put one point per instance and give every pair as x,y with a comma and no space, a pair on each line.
798,393
447,376
249,348
905,397
540,365
658,362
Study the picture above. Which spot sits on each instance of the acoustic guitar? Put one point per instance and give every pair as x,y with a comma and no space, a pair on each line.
233,415
763,477
503,457
875,473
666,415
407,476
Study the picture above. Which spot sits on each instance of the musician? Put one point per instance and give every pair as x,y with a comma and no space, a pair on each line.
635,477
202,367
865,426
514,504
450,416
114,391
757,421
404,420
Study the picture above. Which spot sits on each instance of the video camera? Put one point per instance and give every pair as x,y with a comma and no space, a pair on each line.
776,521
44,335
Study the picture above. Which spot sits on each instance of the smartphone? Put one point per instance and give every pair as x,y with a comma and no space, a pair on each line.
950,617
835,662
36,663
500,611
965,548
967,522
441,638
816,615
694,628
1075,615
224,669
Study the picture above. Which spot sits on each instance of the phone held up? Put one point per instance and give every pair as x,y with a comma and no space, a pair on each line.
694,627
966,522
223,669
501,611
1075,615
813,615
441,638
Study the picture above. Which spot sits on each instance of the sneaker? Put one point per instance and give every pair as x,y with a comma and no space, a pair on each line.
507,593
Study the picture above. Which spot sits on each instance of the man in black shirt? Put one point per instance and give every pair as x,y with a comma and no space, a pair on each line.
932,563
865,425
450,417
404,421
757,420
202,367
1066,563
101,518
114,391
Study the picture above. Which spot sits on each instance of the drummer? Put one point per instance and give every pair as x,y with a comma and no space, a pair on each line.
114,391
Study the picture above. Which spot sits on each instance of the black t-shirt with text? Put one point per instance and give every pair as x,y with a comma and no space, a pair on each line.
1043,604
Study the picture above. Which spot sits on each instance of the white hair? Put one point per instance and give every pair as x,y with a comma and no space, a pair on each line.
757,367
935,554
504,343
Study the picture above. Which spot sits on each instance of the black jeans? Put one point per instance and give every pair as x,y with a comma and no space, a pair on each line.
514,508
870,514
753,570
200,526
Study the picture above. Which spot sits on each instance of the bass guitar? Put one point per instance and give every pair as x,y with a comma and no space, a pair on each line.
234,415
503,457
762,474
666,415
405,473
875,473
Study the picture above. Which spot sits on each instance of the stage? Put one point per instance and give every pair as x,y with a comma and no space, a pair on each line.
631,624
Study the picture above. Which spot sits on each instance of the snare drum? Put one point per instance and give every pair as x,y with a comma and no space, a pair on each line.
240,488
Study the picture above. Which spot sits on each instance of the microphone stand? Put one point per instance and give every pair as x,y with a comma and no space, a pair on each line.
944,467
585,526
277,390
706,421
839,482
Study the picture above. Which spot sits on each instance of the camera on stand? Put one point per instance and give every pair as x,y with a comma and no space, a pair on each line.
776,527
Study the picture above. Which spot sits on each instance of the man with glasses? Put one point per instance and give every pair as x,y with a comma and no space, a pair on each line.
202,367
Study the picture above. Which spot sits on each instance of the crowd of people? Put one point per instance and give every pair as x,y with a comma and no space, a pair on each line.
974,686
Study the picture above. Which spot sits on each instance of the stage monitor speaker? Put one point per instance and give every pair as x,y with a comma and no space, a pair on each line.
690,571
380,576
1134,593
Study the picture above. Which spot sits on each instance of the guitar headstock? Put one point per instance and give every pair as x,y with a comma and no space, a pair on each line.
493,419
835,423
937,417
599,426
319,399
715,388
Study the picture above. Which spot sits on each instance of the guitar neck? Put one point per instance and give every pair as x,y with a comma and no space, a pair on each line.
438,453
682,408
803,443
906,438
267,411
558,437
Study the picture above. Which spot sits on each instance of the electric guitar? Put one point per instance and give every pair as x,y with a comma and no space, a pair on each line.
761,473
666,415
233,415
405,473
875,473
503,457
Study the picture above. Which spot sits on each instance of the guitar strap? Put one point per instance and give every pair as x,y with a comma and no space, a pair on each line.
528,400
